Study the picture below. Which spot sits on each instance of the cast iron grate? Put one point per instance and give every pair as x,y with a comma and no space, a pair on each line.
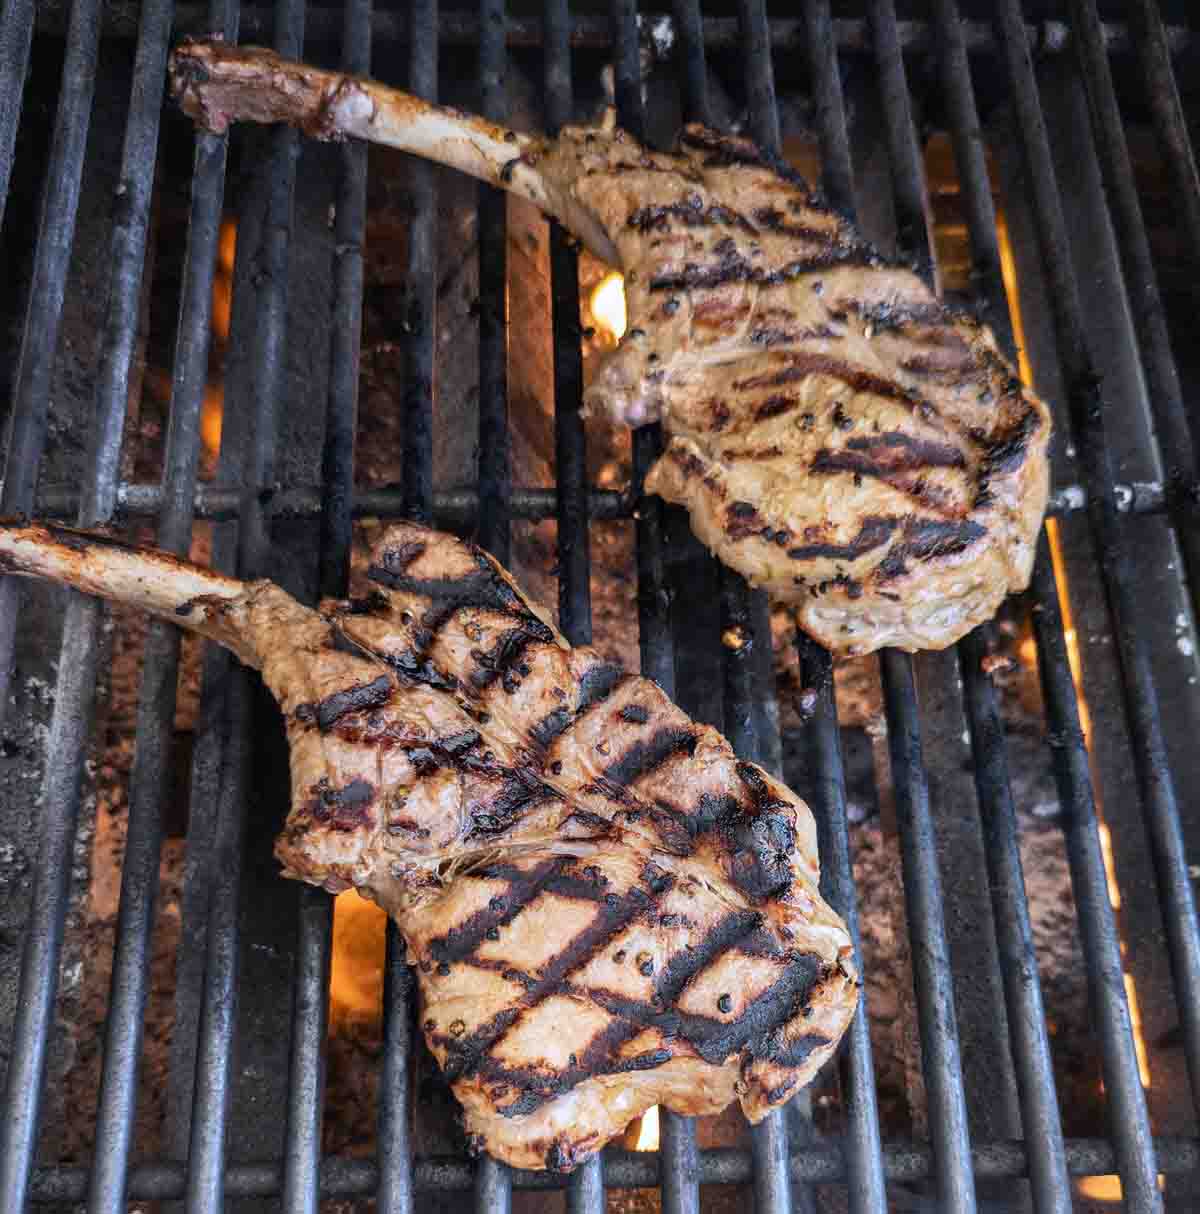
952,1161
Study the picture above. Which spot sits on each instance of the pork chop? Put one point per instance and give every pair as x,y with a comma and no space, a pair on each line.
836,434
606,909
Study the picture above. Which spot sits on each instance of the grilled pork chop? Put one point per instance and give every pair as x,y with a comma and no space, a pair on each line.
606,909
836,434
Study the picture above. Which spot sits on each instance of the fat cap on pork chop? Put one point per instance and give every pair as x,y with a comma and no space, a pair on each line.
606,908
837,434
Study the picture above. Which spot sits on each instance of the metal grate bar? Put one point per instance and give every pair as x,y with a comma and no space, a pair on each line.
1127,1109
310,1010
156,711
1174,439
866,1192
933,980
1087,408
1152,42
678,1157
395,1195
743,727
493,1184
268,320
456,508
16,40
336,496
306,1066
690,26
419,344
460,27
74,696
72,719
494,474
347,1176
570,496
56,234
1014,936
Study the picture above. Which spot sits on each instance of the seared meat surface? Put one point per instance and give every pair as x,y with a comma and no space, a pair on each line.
836,434
606,909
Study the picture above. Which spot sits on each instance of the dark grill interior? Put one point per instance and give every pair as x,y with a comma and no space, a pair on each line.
1010,96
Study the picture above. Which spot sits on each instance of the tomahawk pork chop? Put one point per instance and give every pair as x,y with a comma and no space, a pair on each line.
836,434
606,909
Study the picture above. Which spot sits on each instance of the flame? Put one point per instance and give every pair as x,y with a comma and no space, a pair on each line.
608,305
1107,1187
212,411
648,1131
356,974
1008,270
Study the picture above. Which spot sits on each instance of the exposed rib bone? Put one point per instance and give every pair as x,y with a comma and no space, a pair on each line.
217,84
189,595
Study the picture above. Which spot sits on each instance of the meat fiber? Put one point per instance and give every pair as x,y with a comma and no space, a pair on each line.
606,909
837,434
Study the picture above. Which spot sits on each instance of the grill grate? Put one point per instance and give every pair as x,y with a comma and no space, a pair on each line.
780,1154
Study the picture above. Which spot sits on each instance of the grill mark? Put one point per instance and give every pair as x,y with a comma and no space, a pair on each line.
610,919
683,966
330,710
461,942
550,726
726,151
598,683
715,1039
774,406
733,267
643,757
692,213
499,664
798,1050
801,364
875,531
883,315
928,539
769,337
775,220
741,520
519,791
344,809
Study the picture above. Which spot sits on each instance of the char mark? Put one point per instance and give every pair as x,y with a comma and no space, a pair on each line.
691,213
470,1055
343,809
646,756
800,364
774,406
725,151
461,942
330,710
598,683
520,790
550,726
926,540
775,220
875,531
731,266
504,662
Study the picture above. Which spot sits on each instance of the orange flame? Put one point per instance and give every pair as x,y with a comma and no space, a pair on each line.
607,305
356,974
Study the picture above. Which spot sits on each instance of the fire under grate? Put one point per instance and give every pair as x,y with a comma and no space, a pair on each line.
1097,497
